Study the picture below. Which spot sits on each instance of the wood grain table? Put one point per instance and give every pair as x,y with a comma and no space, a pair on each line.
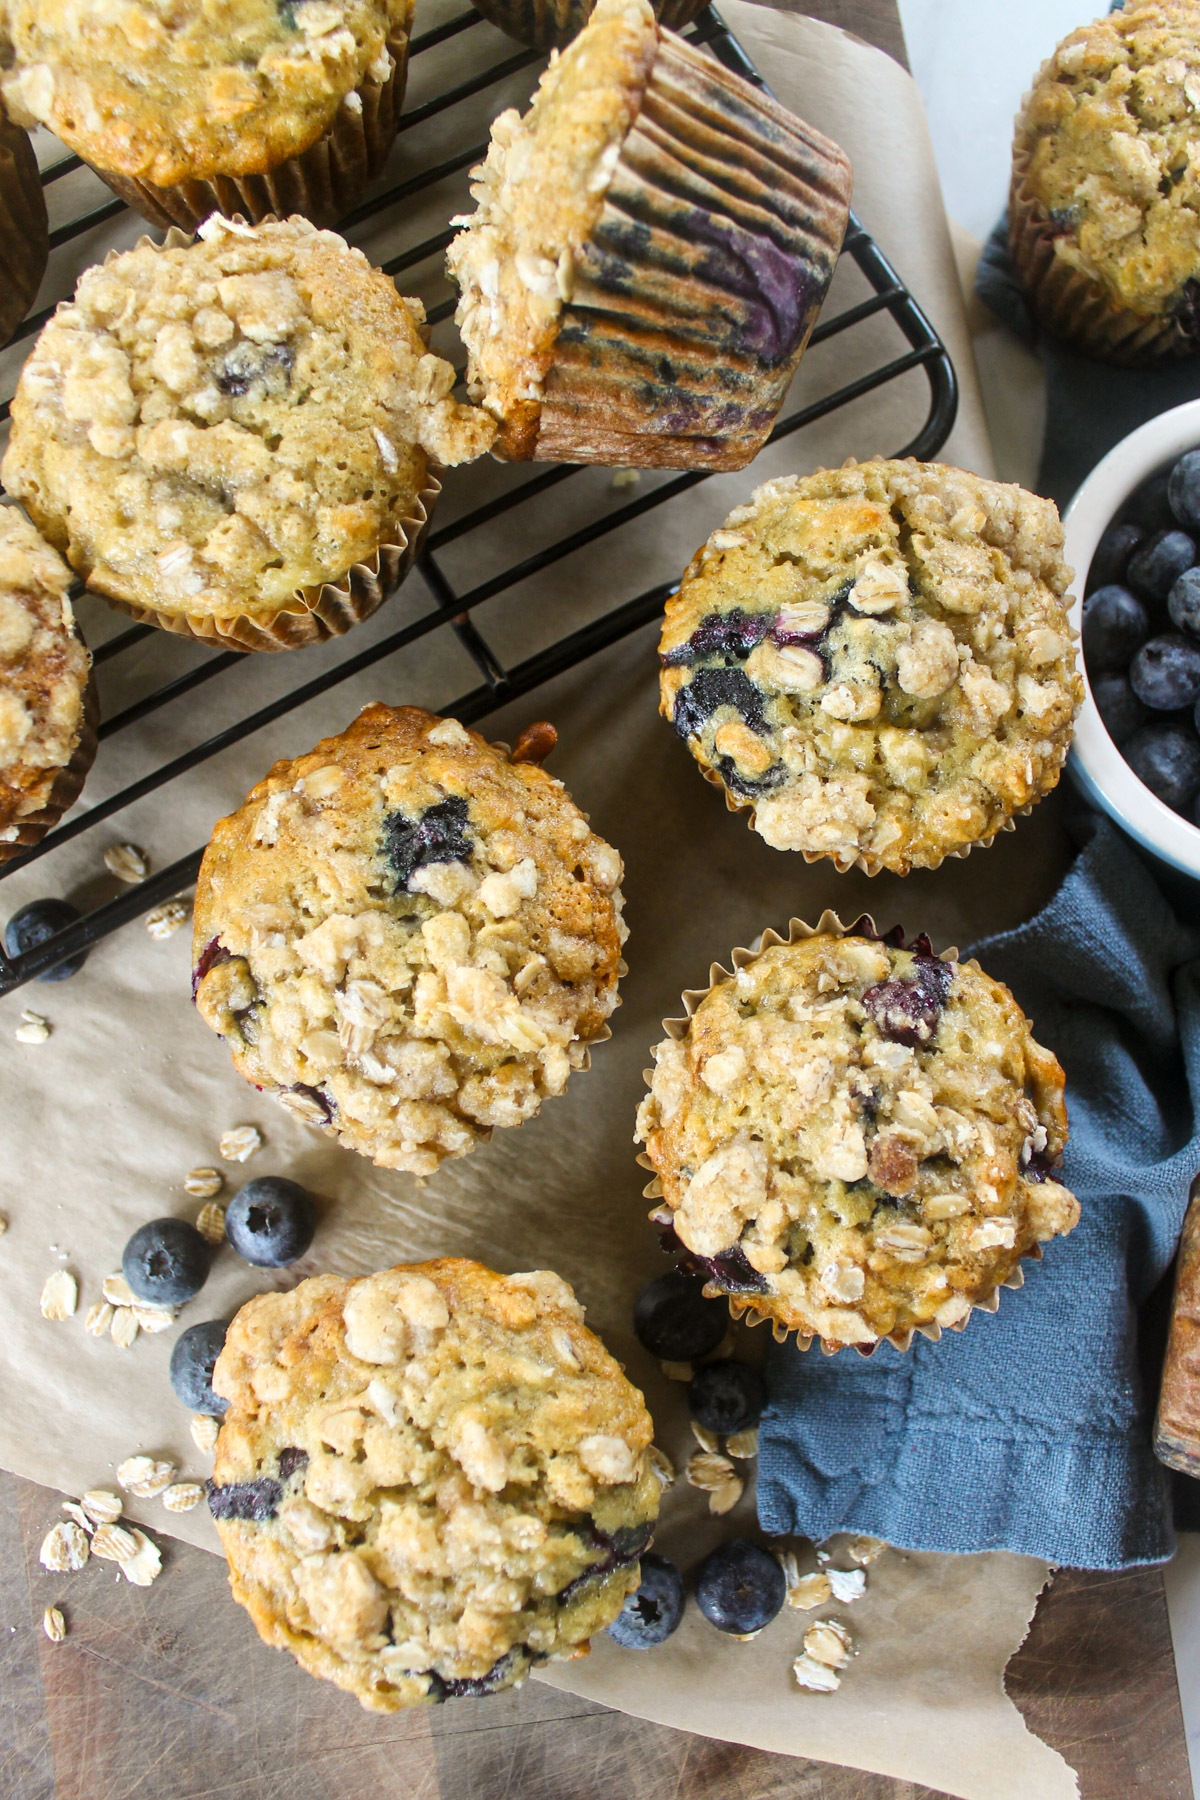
167,1694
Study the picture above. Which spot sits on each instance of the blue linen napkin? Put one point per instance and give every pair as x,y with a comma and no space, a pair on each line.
1031,1431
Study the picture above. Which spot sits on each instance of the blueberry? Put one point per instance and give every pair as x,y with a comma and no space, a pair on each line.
1157,564
1165,673
1183,602
1115,626
1149,504
740,1586
256,1501
40,920
907,1009
713,688
1118,706
247,363
271,1221
1183,490
166,1262
1111,555
654,1610
726,1397
439,835
734,633
193,1360
1167,759
674,1321
473,1687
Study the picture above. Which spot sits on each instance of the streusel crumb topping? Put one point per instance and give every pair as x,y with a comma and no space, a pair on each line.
428,1479
209,428
410,938
877,659
170,93
1112,128
857,1138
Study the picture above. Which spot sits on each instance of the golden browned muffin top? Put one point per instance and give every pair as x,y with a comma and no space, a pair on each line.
428,1479
855,1139
197,88
877,659
409,937
1112,134
206,429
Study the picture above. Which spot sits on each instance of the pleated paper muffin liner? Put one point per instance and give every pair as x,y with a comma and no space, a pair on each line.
695,294
1072,304
67,785
24,233
550,24
322,183
750,1306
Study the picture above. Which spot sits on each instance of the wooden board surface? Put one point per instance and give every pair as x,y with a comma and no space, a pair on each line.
168,1692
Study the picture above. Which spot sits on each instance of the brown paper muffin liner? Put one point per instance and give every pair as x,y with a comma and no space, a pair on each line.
314,614
749,1307
695,294
322,183
24,233
1073,305
68,783
553,23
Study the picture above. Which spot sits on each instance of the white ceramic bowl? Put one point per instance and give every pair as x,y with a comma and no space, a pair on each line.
1095,762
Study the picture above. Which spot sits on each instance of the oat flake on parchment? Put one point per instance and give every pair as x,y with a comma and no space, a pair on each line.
210,1223
33,1029
124,1328
240,1144
116,1290
145,1476
164,921
127,862
102,1506
203,1183
181,1496
204,1430
818,1677
60,1295
743,1444
99,1319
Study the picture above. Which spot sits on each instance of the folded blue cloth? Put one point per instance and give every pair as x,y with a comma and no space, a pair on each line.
1031,1431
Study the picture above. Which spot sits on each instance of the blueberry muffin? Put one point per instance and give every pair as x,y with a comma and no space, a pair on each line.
855,1139
24,232
1106,185
546,22
876,660
235,437
266,106
428,1480
650,249
48,712
409,937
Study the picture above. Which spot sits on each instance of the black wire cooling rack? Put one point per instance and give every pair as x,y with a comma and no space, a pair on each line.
386,218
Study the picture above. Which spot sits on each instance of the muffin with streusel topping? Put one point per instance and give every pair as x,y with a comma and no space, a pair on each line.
428,1480
48,711
236,437
410,936
876,660
1106,185
650,249
855,1139
269,106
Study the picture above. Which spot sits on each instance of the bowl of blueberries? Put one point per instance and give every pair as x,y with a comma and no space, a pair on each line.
1133,540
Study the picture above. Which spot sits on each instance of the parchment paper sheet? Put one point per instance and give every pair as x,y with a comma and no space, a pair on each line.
100,1124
